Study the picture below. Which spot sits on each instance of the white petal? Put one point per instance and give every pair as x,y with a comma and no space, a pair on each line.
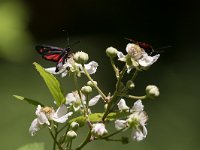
70,97
120,124
147,61
138,106
35,126
91,67
94,100
121,56
61,115
122,105
99,129
51,70
64,118
42,119
138,135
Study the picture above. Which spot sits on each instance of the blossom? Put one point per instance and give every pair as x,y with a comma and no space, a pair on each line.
98,129
137,121
122,105
46,114
137,57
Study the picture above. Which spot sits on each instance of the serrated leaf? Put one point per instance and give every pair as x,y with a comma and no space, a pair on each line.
30,101
52,83
32,146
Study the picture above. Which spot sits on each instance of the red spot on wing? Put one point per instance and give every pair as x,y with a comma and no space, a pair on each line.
54,57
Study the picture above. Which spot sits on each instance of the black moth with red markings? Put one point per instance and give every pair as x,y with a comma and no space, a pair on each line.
147,47
55,54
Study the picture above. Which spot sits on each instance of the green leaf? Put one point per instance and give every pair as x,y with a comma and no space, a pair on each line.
52,83
97,117
30,101
32,146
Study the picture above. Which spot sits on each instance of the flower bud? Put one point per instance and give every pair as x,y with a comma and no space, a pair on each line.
74,125
152,91
81,57
86,89
111,52
71,134
89,83
130,85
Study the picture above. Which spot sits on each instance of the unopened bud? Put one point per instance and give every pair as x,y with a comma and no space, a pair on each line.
81,57
74,125
71,134
152,91
111,52
130,85
89,83
86,89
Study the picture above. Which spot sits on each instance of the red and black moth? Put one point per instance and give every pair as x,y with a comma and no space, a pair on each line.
147,47
55,54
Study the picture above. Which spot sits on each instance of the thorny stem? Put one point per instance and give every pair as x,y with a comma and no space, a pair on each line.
55,140
97,88
113,99
87,140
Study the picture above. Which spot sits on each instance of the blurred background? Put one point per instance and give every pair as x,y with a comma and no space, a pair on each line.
173,117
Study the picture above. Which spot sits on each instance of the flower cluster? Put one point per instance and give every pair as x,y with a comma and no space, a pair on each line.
73,110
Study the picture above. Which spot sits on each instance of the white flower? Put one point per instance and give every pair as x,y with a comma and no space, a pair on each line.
98,129
137,120
94,100
136,56
138,106
45,114
122,105
120,124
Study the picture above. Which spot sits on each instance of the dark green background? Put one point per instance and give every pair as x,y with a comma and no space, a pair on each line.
173,117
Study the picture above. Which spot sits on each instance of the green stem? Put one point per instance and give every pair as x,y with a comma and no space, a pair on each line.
97,88
79,93
114,68
133,97
112,134
115,95
135,75
55,140
87,140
